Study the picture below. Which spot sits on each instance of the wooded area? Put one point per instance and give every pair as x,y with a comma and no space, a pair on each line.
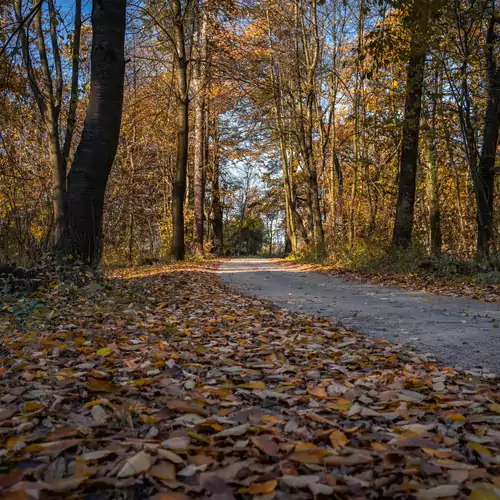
156,137
317,128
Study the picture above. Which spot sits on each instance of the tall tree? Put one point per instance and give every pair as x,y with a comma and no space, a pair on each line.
432,164
403,224
217,214
310,50
484,176
179,189
200,138
97,148
46,83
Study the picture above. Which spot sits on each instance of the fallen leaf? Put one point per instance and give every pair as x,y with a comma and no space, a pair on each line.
176,443
239,430
52,447
338,439
348,460
255,384
441,491
163,470
105,351
135,465
262,488
182,406
266,444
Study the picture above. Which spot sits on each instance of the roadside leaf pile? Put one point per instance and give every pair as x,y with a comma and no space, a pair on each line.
161,383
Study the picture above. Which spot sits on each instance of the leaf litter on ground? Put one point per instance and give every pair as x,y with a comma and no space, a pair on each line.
162,383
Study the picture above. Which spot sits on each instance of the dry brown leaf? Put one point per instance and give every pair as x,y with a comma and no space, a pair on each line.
266,444
163,470
135,465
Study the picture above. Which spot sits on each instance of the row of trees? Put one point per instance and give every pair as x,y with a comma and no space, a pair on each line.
381,116
377,107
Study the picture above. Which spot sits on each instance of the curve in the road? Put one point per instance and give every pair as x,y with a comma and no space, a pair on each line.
463,333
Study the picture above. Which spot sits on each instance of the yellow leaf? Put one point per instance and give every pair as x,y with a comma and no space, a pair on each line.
198,437
255,384
309,457
100,401
105,351
143,381
263,488
338,439
148,419
340,405
484,491
32,406
479,448
301,446
456,417
494,407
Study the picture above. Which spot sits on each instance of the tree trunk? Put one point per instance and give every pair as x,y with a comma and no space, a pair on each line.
179,189
484,184
217,228
97,148
199,143
458,197
339,201
403,224
433,184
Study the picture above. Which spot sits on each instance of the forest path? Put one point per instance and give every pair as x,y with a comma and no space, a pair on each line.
463,333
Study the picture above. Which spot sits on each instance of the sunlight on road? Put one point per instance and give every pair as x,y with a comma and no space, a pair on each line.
254,266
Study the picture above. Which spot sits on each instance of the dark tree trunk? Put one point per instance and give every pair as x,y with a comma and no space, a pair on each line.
179,189
199,144
217,230
403,224
433,181
484,182
97,148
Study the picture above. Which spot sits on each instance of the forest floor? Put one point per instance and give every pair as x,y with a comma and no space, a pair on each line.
162,383
462,332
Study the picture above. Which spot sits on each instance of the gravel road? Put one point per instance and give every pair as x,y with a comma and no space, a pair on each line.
464,333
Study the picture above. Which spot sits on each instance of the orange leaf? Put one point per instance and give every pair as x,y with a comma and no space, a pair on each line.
318,392
263,488
338,439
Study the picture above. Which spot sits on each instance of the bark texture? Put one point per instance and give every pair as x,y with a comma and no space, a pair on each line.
97,148
179,189
484,177
403,224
